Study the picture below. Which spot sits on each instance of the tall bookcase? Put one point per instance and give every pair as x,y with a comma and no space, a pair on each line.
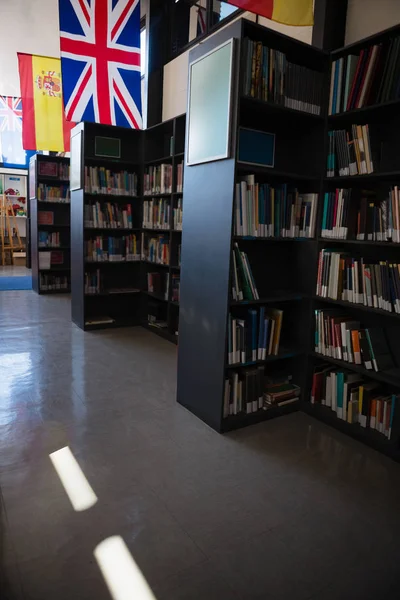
116,300
383,120
50,224
164,144
284,269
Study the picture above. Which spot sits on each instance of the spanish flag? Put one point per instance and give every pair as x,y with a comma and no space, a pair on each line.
43,122
288,12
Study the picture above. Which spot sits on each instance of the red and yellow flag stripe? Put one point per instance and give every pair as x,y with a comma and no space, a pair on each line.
43,122
288,12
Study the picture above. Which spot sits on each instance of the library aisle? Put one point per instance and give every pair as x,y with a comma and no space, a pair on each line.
287,509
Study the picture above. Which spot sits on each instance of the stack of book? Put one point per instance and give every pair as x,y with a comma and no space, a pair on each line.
350,153
339,336
157,283
271,77
354,400
176,285
47,239
63,171
108,215
372,77
379,220
243,284
375,284
156,213
255,337
280,392
178,215
179,178
244,392
112,249
262,210
155,249
99,180
158,180
48,283
53,193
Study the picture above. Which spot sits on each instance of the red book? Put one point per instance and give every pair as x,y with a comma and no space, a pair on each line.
353,85
363,75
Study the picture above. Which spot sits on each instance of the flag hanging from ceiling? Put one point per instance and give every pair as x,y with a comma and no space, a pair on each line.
100,59
288,12
44,126
12,154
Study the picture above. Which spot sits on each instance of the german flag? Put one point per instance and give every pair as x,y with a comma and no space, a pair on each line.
288,12
43,122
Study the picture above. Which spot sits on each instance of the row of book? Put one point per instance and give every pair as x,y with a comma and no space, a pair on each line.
271,77
53,193
158,180
95,283
155,249
175,287
339,336
254,337
372,77
156,213
349,153
375,283
108,215
158,283
375,219
262,210
178,215
105,248
49,259
353,399
49,239
243,284
250,391
99,180
179,178
54,169
48,283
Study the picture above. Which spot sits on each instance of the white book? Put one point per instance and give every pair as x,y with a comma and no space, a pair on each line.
333,391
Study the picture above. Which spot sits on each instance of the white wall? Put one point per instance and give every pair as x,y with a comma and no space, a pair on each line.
366,17
29,26
176,71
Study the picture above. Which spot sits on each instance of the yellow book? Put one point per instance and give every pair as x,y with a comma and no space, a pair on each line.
360,400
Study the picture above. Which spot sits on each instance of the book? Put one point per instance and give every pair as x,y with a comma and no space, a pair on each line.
155,249
49,282
354,399
270,76
106,248
243,391
243,284
53,193
158,180
254,335
178,215
156,214
99,180
351,150
352,279
264,210
157,283
108,215
45,217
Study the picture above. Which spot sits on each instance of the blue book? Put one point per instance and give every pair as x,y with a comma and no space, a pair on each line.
339,394
265,340
261,333
253,316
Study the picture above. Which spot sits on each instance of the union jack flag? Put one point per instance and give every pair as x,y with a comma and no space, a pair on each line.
12,153
100,61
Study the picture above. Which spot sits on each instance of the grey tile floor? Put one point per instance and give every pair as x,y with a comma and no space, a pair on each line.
289,509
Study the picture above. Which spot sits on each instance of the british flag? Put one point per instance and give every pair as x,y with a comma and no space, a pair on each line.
100,61
12,153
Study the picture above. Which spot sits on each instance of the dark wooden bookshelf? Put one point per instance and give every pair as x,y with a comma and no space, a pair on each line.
164,143
283,268
61,222
123,308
